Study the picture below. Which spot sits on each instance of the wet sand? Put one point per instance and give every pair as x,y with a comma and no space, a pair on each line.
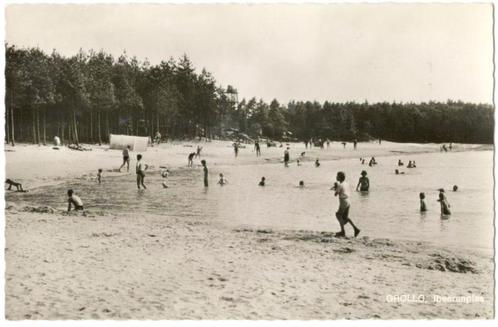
110,265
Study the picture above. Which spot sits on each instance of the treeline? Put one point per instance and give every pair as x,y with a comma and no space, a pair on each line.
85,97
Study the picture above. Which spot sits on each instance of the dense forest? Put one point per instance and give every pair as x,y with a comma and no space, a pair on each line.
86,97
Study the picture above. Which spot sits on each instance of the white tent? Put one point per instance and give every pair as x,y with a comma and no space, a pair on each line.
137,143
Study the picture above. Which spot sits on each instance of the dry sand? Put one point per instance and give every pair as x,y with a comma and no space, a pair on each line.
102,265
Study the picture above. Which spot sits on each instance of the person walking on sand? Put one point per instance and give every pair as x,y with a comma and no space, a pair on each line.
363,182
126,158
204,165
140,170
342,190
286,157
257,148
73,200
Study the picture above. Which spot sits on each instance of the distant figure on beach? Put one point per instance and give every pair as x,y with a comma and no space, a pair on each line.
445,206
74,200
57,141
157,138
328,143
126,158
363,161
355,142
164,185
372,162
305,144
301,184
363,182
444,148
198,151
236,149
99,176
399,172
262,182
455,188
303,153
286,157
204,165
410,165
257,148
191,159
17,185
343,145
222,180
414,165
140,170
451,146
380,141
341,189
317,163
423,207
298,162
400,163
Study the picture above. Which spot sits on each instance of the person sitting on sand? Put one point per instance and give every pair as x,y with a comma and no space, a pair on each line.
423,207
455,188
317,163
414,165
399,172
140,171
191,159
342,214
363,182
372,162
99,176
400,163
74,200
262,182
409,164
126,158
222,180
301,184
444,204
204,165
17,185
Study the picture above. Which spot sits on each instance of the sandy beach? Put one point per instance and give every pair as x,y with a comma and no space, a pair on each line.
109,265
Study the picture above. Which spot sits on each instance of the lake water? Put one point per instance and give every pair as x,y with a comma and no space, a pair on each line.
390,209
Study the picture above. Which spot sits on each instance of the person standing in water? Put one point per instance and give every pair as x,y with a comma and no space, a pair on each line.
363,182
286,157
204,165
342,190
423,207
126,159
445,206
257,148
140,170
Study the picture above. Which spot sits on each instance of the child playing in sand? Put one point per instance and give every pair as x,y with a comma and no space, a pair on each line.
444,204
17,185
204,165
140,170
363,182
222,180
262,182
74,200
423,207
126,158
342,214
100,175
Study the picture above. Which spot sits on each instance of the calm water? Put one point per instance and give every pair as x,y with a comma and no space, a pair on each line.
391,209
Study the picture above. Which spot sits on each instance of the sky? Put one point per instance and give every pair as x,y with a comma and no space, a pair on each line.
337,52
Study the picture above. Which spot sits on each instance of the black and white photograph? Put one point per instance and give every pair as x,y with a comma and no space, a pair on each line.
248,161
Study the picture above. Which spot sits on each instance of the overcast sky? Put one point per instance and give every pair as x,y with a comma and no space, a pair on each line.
347,52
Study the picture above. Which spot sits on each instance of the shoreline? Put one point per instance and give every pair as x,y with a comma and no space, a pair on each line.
110,265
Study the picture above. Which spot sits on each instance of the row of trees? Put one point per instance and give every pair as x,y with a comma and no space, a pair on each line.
86,97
